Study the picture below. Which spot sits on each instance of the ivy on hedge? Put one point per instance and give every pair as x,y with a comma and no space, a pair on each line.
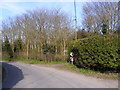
97,52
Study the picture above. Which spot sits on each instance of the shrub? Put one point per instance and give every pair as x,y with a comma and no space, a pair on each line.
97,52
48,49
6,47
59,57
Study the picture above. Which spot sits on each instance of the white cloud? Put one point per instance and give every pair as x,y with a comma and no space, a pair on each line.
12,7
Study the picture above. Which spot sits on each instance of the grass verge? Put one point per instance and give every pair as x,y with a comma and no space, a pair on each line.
32,61
87,72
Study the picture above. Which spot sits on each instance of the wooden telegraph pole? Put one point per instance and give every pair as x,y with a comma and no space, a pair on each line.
75,20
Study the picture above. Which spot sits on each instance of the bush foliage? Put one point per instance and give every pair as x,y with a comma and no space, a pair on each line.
6,47
97,53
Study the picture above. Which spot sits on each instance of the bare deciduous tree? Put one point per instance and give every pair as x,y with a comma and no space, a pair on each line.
98,13
38,28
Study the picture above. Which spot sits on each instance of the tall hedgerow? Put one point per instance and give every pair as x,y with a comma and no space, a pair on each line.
97,53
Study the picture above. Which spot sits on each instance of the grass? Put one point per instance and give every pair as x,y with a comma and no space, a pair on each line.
32,61
88,72
66,66
74,68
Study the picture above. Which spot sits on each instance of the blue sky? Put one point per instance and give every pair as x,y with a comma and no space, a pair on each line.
12,9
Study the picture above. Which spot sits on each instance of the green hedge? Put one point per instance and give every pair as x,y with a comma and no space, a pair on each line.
97,52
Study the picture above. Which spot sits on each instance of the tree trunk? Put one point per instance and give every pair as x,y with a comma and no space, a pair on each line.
64,45
28,50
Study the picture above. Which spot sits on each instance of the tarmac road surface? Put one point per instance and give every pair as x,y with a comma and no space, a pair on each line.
21,75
